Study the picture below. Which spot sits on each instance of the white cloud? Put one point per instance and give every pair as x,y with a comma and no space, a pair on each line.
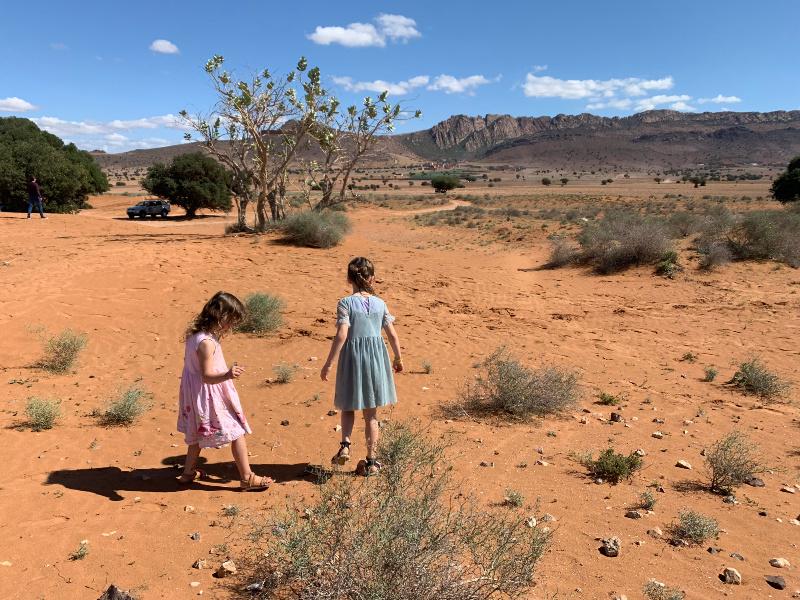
379,85
14,104
360,35
164,47
677,102
682,106
452,85
544,86
539,68
719,99
618,103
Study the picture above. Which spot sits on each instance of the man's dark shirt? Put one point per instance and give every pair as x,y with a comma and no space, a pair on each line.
34,193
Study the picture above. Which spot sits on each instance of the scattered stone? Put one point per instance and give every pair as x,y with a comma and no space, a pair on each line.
194,584
531,522
487,464
633,514
548,518
730,499
658,421
225,569
540,450
731,576
779,583
713,550
619,597
737,556
762,513
794,521
583,421
616,417
640,452
200,564
779,563
754,481
114,593
256,586
195,536
285,422
188,508
658,435
333,413
337,428
655,532
542,463
788,489
610,547
682,464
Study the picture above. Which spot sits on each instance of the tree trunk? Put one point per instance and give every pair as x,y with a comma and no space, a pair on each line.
261,211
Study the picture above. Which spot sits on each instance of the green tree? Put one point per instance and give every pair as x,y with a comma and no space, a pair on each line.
443,183
564,181
65,174
786,188
546,181
192,181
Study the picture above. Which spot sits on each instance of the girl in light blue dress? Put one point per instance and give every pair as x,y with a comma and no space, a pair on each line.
364,374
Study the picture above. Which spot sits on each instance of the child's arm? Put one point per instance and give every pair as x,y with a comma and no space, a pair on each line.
205,351
336,346
394,342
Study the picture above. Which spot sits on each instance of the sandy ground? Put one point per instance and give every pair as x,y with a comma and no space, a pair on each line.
133,285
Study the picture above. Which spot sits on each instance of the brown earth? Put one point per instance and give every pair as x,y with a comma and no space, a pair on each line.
133,285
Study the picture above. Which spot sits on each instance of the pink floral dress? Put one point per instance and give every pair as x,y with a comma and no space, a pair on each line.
208,415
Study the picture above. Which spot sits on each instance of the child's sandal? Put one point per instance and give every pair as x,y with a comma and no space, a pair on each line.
255,483
190,478
368,467
343,455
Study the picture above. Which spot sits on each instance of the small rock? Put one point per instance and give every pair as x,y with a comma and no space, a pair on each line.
754,481
788,489
731,576
737,556
531,522
633,514
542,463
188,508
200,564
658,435
794,521
194,584
779,563
548,518
714,550
487,464
762,513
779,583
658,421
114,593
655,532
682,464
195,536
616,417
583,421
619,597
285,422
337,428
730,499
640,452
610,547
225,569
333,413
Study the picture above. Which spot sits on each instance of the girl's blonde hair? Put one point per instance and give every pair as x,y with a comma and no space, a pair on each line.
223,311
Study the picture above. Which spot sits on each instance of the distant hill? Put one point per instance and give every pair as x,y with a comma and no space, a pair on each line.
659,138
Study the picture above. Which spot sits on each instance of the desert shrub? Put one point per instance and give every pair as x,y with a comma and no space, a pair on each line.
755,379
508,388
546,181
61,351
427,367
767,235
731,461
42,413
715,255
710,374
513,498
284,373
622,239
684,224
82,551
402,536
610,466
126,406
607,399
264,314
654,590
694,528
668,266
443,183
562,253
315,229
647,500
786,187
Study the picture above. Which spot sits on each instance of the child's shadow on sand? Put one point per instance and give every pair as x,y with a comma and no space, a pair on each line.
110,481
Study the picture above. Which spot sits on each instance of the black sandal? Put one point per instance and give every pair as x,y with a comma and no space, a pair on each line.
343,455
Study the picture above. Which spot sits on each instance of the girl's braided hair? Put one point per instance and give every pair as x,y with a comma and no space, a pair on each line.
222,311
359,272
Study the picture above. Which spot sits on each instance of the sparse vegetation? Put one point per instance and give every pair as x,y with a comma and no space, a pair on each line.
611,466
786,187
126,406
654,590
689,357
509,389
264,314
401,536
694,528
647,500
710,373
513,498
42,413
81,552
316,229
284,373
755,379
607,399
427,367
562,253
231,510
731,461
443,183
61,351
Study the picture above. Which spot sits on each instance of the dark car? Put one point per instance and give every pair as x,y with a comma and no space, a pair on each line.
153,208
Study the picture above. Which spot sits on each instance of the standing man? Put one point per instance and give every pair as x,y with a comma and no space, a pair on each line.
34,198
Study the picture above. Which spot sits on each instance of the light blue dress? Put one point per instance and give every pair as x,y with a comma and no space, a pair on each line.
364,374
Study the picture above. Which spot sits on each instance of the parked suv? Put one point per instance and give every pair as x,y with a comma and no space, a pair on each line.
149,207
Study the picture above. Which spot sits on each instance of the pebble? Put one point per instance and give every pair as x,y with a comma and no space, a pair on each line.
542,463
487,464
531,522
619,597
200,564
788,489
616,417
5,563
795,521
682,464
730,499
285,422
737,556
194,584
548,518
583,421
333,413
195,536
188,508
754,481
226,568
779,583
610,547
337,428
655,532
658,421
640,452
731,576
779,563
633,514
713,550
658,435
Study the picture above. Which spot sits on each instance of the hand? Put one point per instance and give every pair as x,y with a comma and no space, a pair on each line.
235,372
323,374
398,364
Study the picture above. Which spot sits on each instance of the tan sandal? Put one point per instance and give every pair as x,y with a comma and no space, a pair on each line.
255,483
190,478
343,455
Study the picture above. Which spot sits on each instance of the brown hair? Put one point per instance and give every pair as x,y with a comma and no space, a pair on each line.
359,272
224,310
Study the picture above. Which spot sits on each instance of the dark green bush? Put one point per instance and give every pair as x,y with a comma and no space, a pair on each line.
610,466
264,314
315,229
191,181
767,235
754,378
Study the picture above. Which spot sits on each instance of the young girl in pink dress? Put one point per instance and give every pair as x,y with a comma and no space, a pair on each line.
209,413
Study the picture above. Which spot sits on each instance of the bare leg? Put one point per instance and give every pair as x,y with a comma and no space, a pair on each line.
348,420
371,431
190,464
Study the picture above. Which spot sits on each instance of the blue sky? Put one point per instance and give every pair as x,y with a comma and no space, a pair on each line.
112,75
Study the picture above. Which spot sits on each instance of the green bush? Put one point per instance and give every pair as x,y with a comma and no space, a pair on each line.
654,590
786,187
562,253
264,314
127,406
694,528
767,235
647,501
61,351
755,379
284,373
315,229
443,183
509,389
610,466
402,536
42,413
710,374
731,461
607,399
